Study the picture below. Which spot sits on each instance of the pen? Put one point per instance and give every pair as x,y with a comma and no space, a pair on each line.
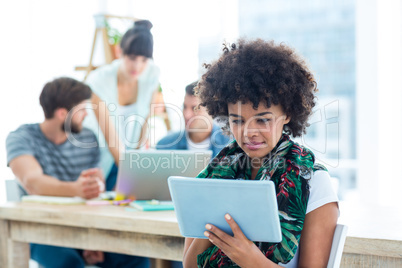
122,202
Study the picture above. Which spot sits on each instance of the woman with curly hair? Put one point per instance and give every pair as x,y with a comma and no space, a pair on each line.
264,92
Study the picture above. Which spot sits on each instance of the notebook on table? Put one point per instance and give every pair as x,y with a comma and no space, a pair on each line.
59,200
152,205
143,175
252,204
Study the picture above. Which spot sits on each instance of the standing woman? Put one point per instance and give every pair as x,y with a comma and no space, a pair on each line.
266,93
122,96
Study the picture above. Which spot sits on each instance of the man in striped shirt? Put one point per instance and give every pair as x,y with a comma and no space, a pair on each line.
59,157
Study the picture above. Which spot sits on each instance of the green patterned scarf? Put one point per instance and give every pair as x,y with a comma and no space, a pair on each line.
289,166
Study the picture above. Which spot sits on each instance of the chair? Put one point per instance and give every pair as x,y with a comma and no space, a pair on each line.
13,191
338,242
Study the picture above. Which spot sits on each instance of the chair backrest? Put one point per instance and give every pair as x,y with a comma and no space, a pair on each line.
338,242
13,191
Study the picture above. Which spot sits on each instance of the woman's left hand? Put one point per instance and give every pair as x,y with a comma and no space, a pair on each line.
237,247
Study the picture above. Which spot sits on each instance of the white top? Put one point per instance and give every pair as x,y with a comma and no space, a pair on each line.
321,193
196,146
129,119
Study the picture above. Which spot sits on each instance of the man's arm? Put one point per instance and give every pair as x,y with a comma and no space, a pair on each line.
30,174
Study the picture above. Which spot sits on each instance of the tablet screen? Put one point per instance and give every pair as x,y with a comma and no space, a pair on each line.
252,204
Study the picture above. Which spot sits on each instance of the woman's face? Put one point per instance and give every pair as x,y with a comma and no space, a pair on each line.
134,65
256,131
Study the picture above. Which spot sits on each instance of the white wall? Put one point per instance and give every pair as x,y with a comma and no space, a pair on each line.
379,100
44,39
40,40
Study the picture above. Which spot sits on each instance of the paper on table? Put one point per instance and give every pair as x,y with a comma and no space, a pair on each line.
53,199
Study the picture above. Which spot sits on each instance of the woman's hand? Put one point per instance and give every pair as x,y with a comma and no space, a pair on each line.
237,247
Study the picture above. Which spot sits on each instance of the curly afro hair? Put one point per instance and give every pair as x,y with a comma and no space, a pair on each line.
255,71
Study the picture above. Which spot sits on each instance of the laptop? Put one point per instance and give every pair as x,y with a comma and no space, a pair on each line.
143,175
252,204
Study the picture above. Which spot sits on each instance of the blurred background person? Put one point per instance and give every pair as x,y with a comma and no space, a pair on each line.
200,132
123,92
159,123
47,160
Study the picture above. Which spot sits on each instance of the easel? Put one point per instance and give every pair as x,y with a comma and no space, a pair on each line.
100,22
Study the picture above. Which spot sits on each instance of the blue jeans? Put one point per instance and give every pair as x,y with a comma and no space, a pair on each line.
60,257
176,264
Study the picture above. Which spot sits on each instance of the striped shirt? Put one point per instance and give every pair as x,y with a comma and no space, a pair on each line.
63,161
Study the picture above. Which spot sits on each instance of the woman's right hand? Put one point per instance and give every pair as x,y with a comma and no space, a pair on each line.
238,247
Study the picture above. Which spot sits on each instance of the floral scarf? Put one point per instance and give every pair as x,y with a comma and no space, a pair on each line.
289,166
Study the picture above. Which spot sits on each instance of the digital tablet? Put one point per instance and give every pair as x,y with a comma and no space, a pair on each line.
252,204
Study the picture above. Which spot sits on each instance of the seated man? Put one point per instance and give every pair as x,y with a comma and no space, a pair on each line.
200,131
59,157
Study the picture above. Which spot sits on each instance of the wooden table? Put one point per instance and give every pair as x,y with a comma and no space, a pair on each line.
105,228
374,236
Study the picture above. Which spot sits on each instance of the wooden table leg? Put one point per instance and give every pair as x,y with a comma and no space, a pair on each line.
13,254
158,263
3,243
